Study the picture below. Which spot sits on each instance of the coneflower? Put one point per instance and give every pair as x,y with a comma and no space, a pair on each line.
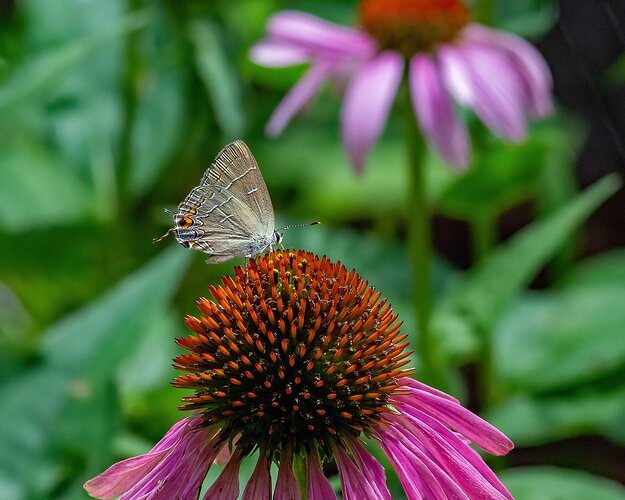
298,359
446,57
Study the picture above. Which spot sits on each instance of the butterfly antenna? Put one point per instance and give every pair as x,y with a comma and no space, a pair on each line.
299,225
156,240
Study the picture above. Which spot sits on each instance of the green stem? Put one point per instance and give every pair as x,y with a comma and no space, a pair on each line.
485,10
419,231
483,236
483,239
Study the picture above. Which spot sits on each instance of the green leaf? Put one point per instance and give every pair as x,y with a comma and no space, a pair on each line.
31,404
472,309
504,177
552,483
526,18
581,328
80,356
531,420
37,76
95,339
603,270
36,190
161,108
219,76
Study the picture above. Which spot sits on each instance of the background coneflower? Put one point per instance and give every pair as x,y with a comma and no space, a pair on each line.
298,359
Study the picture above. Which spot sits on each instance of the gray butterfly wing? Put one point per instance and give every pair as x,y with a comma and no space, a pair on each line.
236,171
230,212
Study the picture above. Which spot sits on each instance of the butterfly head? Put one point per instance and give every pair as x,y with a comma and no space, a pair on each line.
277,238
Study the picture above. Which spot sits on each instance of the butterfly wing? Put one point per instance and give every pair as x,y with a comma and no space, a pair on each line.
230,213
235,170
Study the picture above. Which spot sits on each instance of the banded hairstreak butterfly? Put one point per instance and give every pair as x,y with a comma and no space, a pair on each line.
230,213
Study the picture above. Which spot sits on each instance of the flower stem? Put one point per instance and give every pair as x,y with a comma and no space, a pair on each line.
419,231
483,236
485,11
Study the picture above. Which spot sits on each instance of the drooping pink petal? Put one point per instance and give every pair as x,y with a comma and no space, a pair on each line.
226,487
277,55
354,484
527,61
125,475
318,485
122,476
286,485
371,469
318,36
467,452
181,473
297,98
413,429
435,112
459,418
410,382
482,78
420,477
259,485
367,103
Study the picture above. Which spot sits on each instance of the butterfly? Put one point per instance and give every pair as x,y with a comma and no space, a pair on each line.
229,214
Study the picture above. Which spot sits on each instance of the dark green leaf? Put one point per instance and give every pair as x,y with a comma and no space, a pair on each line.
496,181
95,339
556,340
218,73
471,310
607,269
31,404
38,76
36,190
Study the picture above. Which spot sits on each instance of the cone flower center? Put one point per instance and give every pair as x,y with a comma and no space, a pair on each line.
294,353
412,26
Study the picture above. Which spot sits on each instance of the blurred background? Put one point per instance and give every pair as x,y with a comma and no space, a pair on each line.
111,110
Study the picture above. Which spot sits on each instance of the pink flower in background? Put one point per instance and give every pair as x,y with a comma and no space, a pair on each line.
298,359
501,77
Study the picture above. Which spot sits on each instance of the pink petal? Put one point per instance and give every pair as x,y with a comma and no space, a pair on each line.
318,485
122,476
354,484
318,36
483,79
371,469
286,485
468,453
181,473
297,98
415,431
459,418
420,477
410,382
259,485
367,104
527,61
435,112
277,55
227,485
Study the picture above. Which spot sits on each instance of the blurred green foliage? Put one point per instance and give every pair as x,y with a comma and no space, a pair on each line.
109,113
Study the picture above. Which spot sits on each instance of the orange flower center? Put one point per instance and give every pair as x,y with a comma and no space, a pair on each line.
411,26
